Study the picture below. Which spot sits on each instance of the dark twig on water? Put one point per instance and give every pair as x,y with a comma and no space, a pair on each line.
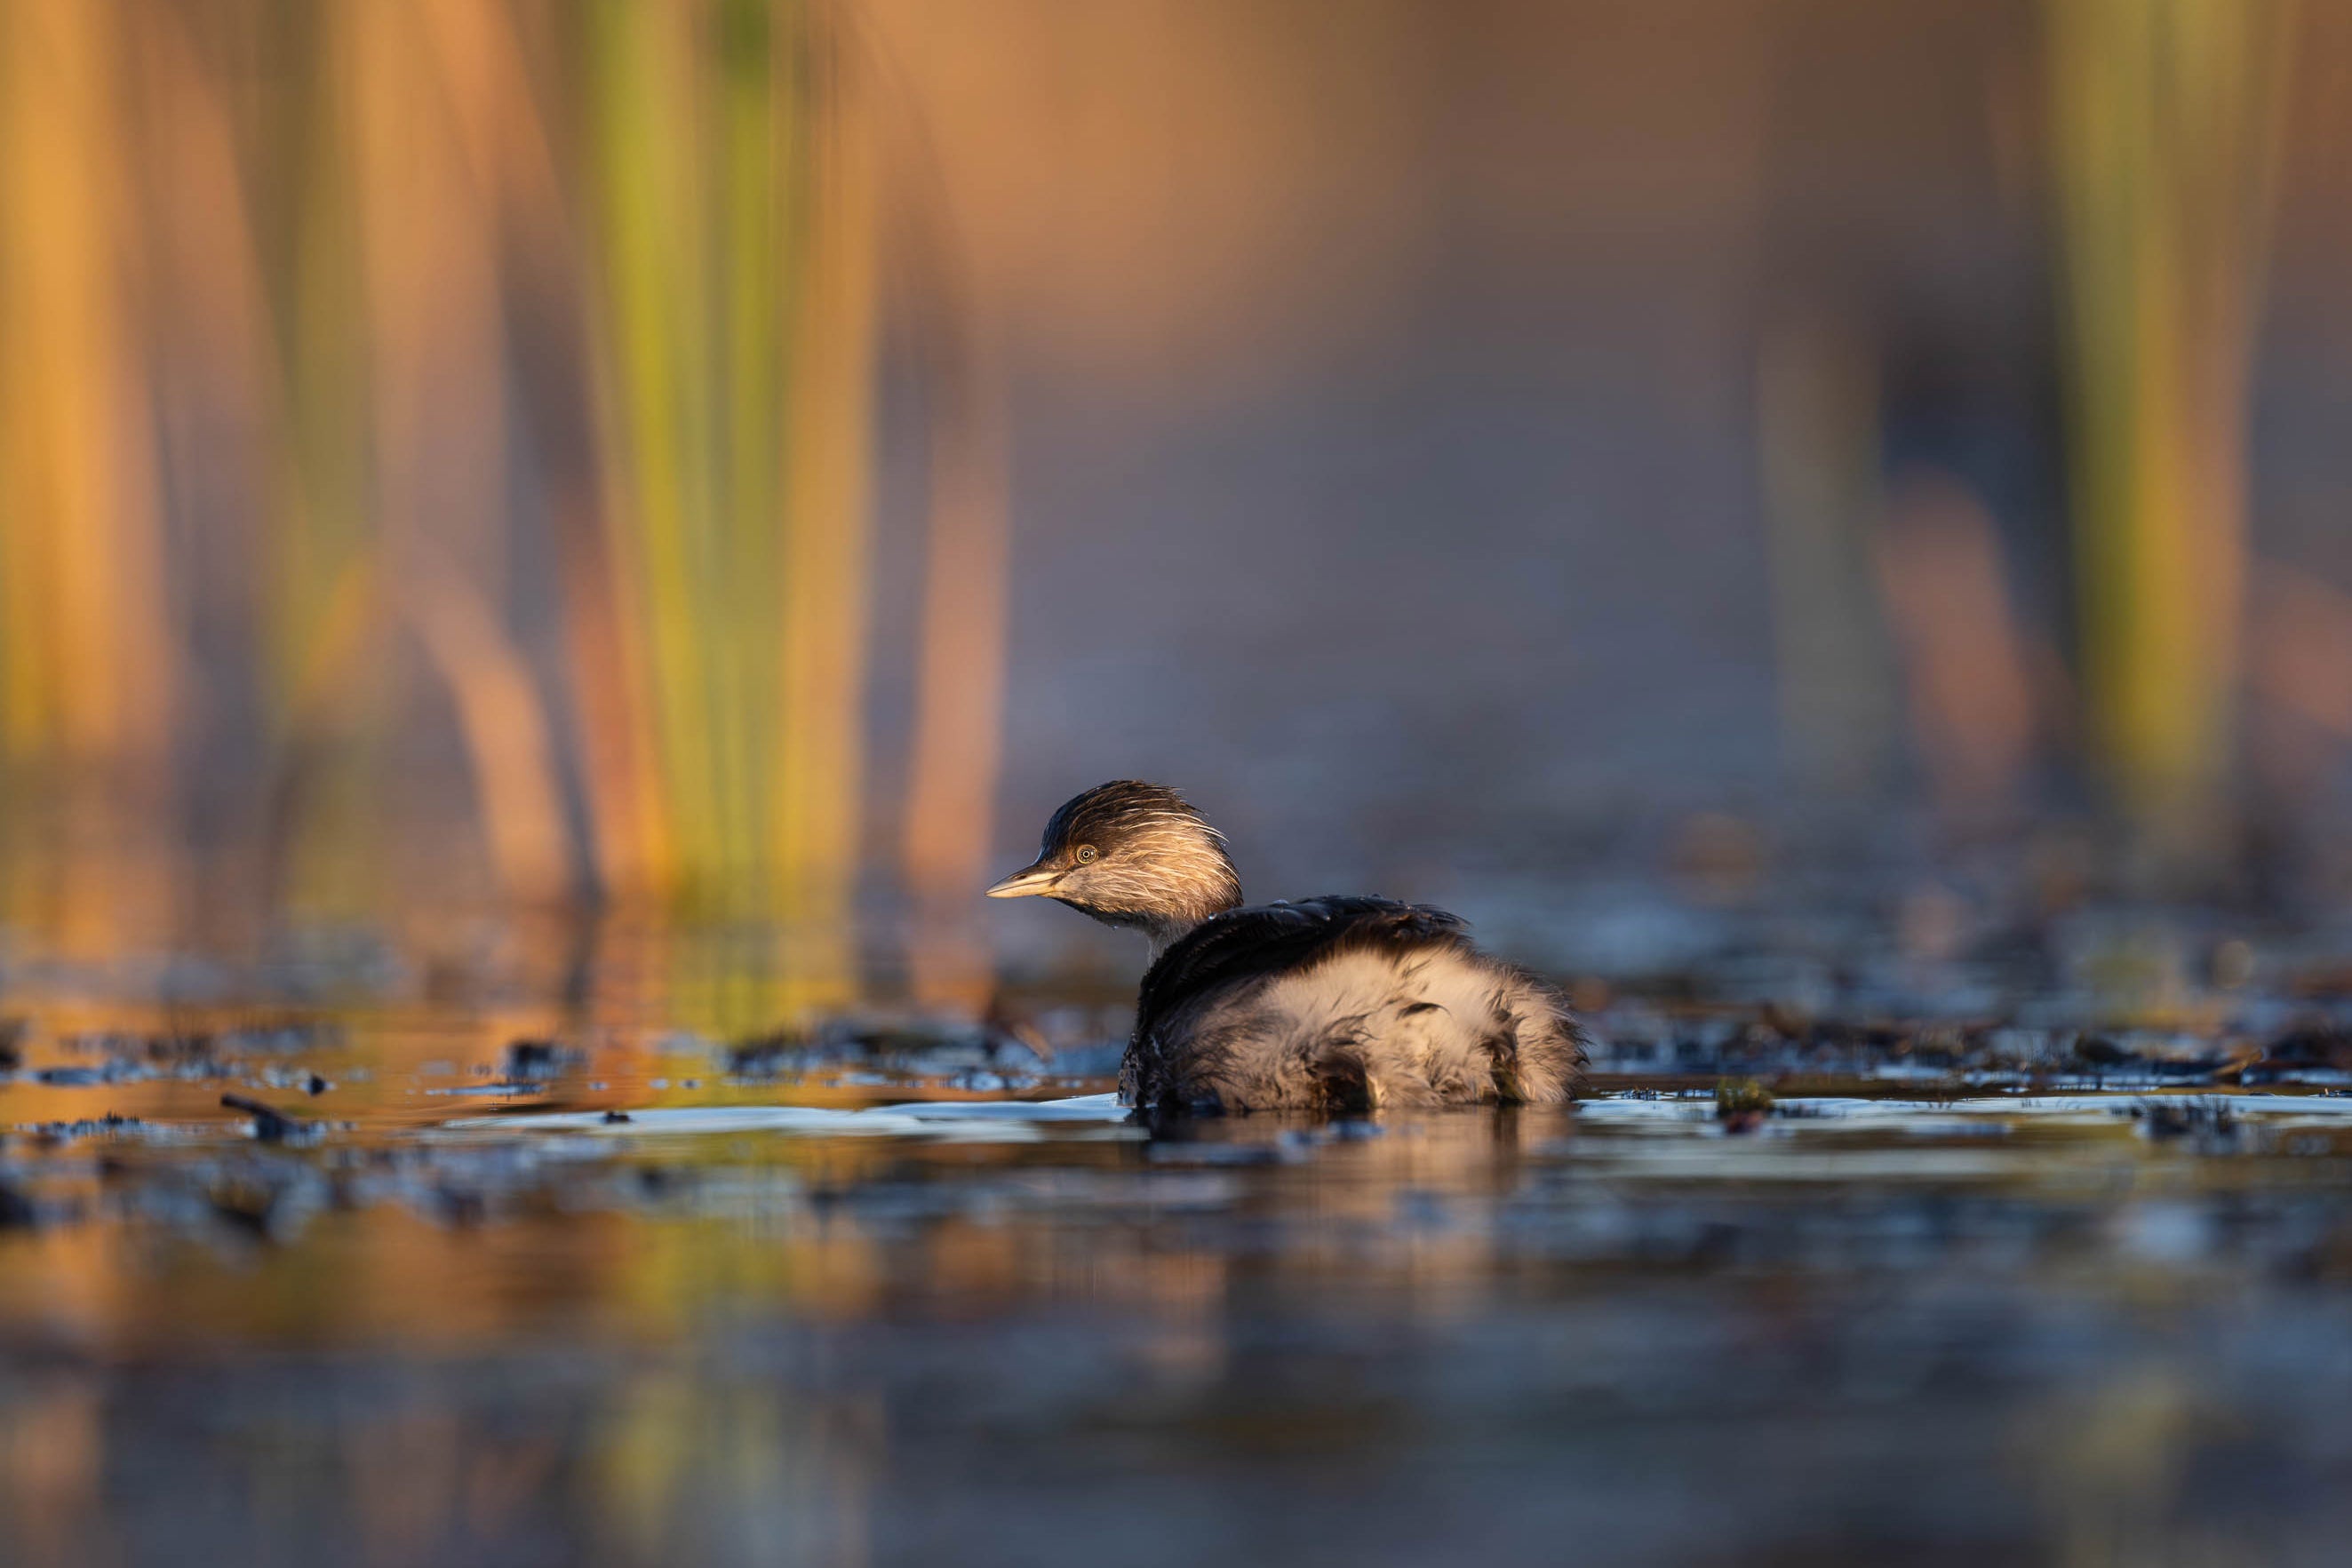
270,1126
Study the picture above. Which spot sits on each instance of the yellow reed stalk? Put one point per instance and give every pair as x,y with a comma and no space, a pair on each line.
733,335
86,667
2165,118
323,601
823,609
317,284
656,402
754,48
81,465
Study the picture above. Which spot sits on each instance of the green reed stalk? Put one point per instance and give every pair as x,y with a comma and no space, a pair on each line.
2164,117
643,161
736,318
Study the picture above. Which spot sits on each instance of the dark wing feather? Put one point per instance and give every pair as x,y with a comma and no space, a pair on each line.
1245,945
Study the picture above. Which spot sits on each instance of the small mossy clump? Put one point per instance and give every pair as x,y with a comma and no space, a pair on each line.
1742,1103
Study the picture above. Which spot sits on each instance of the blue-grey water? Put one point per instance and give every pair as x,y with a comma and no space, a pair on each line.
630,1298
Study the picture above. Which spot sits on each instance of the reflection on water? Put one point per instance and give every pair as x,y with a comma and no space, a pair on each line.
626,1297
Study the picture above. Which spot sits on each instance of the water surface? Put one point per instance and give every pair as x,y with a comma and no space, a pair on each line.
945,1303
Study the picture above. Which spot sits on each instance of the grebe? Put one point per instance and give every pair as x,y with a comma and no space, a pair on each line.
1336,1004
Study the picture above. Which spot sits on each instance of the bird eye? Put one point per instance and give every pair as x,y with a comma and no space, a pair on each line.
1086,855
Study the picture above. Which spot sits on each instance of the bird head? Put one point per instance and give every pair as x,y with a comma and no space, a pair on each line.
1131,855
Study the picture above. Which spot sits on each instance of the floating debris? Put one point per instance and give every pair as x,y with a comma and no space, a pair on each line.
537,1061
913,1047
90,1127
2308,1053
2210,1120
75,1077
271,1126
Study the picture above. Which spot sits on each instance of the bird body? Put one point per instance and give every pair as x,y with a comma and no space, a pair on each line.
1336,1004
1345,1004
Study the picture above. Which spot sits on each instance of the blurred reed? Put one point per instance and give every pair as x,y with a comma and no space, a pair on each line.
2165,119
492,376
953,757
1819,439
1968,665
88,678
733,191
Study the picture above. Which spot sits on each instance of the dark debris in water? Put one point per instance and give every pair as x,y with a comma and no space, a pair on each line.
93,1127
2300,1051
256,1054
538,1060
2210,1121
271,1126
900,1047
1769,1045
78,1077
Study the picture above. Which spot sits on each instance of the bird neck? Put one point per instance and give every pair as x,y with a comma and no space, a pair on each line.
1165,928
1165,934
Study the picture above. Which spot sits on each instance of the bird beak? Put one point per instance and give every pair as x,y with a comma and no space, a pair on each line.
1029,882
